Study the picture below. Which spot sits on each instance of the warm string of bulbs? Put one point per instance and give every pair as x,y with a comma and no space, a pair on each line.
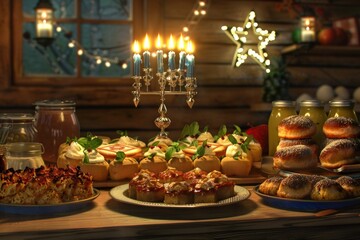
198,12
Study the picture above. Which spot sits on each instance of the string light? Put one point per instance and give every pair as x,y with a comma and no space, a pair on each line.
197,13
239,36
98,59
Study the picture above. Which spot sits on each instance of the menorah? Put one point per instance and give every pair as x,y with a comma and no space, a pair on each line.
174,81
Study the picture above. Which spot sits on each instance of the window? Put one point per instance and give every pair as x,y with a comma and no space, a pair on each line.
102,29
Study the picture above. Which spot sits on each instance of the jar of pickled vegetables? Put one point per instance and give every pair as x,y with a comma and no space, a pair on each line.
342,108
280,110
314,109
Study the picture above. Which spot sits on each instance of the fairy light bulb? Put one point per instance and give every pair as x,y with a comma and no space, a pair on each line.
71,44
98,61
203,12
58,29
185,29
80,52
107,64
124,66
202,3
196,12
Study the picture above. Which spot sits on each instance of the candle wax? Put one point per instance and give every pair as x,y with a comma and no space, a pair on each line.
159,60
146,59
137,61
182,56
171,60
190,62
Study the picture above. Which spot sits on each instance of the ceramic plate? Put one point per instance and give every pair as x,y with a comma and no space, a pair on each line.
305,205
120,193
50,208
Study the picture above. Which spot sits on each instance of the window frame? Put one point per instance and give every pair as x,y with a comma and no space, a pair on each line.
77,80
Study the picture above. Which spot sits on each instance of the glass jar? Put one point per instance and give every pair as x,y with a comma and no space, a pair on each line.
342,108
280,110
20,155
55,120
314,109
17,127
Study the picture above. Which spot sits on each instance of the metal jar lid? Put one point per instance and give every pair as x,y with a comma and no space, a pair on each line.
342,103
55,103
311,103
16,117
283,103
24,149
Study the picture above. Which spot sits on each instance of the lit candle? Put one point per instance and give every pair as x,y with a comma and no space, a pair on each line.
190,60
182,53
159,55
146,52
44,29
137,58
171,59
308,29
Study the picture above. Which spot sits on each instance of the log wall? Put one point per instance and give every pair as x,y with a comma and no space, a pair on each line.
226,95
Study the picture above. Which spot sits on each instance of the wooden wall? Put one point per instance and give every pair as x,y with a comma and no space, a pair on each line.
225,94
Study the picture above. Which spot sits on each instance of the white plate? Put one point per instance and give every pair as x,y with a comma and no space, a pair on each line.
49,208
120,193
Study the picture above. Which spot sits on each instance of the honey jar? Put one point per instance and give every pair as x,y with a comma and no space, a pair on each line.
342,108
314,109
280,110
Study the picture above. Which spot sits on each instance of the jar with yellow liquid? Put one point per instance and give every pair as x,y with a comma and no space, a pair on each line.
314,109
342,108
280,110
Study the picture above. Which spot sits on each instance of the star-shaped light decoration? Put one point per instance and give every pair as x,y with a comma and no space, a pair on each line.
239,36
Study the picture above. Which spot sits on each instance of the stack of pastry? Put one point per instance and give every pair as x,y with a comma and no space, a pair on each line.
342,145
301,186
296,150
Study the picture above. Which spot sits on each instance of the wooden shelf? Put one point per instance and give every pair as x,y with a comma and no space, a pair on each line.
321,49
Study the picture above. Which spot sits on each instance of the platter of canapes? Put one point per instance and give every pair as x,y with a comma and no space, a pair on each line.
174,189
112,162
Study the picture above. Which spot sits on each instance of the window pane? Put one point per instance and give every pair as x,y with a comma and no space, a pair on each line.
106,9
62,8
57,59
109,41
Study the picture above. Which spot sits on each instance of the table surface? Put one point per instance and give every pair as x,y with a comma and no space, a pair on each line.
106,218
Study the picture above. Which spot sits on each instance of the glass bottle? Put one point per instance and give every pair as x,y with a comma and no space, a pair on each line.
55,120
20,155
280,110
314,109
342,108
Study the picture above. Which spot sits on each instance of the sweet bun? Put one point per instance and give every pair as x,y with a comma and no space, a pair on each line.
328,189
99,171
338,153
295,186
156,164
270,186
123,170
184,164
293,142
207,163
351,185
63,161
236,167
296,127
295,158
341,127
314,179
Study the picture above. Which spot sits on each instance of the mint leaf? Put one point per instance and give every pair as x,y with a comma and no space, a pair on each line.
232,139
86,157
237,130
222,132
245,145
169,152
122,133
120,156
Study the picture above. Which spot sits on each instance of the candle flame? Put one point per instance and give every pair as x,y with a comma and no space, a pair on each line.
146,42
181,44
189,47
158,42
136,47
171,42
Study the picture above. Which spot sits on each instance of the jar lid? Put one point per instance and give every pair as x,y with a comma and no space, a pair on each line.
55,103
283,103
311,103
11,117
342,103
24,148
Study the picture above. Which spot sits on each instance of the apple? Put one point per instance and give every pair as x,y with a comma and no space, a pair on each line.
342,36
327,36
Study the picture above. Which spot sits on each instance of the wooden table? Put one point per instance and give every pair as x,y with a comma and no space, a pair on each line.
106,218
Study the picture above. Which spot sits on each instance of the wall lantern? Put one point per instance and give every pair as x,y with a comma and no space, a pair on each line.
44,22
308,31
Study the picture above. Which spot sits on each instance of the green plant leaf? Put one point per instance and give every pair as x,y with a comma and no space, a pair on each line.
169,152
120,156
232,139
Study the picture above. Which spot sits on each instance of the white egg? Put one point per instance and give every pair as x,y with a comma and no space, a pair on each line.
342,93
356,94
325,93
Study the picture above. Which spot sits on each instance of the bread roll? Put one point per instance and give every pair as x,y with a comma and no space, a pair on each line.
341,127
328,189
125,169
99,171
296,127
156,164
299,157
295,186
208,163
